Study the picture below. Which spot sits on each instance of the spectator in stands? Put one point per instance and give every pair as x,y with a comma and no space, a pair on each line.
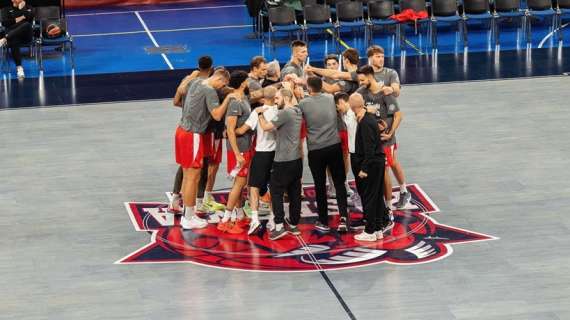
18,22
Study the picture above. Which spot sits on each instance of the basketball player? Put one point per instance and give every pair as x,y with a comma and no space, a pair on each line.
390,82
325,151
294,69
287,169
200,106
239,151
204,71
389,116
368,168
347,80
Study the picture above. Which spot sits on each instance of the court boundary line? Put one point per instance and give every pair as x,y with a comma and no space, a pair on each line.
153,40
154,10
237,26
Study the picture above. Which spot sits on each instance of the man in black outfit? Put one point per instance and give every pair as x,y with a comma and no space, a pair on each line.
18,22
368,168
325,151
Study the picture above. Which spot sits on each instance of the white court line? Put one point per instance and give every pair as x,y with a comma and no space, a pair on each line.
162,30
153,40
551,34
153,10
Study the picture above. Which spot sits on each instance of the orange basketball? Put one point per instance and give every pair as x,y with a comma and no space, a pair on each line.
53,31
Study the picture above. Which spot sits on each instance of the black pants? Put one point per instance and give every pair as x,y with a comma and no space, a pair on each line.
286,176
17,36
371,191
319,160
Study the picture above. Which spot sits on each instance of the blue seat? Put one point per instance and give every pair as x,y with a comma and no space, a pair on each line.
350,14
379,13
476,10
445,11
507,9
282,19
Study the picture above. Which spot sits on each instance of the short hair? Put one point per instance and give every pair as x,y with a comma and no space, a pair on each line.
237,78
331,56
298,43
273,68
286,93
256,62
374,49
351,55
222,73
340,96
365,70
315,84
205,63
269,92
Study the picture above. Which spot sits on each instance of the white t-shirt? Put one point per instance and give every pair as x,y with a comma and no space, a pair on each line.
349,119
265,140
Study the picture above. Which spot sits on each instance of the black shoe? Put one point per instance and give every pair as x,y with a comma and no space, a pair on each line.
358,224
293,229
343,225
405,198
274,234
322,227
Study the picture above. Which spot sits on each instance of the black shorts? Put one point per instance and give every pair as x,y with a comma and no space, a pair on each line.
260,169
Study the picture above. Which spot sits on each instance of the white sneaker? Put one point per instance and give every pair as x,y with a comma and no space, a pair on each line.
253,226
371,237
193,223
20,72
215,217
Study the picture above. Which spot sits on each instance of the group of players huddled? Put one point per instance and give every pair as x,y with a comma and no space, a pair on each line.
348,115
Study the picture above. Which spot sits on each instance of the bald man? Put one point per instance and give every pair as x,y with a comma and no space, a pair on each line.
368,168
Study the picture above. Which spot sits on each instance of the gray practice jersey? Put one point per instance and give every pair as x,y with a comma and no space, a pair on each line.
288,131
240,109
320,116
386,107
200,100
387,76
293,68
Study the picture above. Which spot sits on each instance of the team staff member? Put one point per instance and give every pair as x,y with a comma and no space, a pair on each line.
390,82
18,22
200,106
239,150
325,151
368,168
260,169
287,168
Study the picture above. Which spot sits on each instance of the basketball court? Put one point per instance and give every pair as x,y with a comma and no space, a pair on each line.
87,165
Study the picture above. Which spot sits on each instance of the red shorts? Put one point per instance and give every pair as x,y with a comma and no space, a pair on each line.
232,162
344,141
390,152
214,148
190,148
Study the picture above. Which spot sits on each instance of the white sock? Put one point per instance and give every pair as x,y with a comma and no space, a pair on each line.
234,215
254,215
240,213
227,216
278,227
403,188
189,212
199,202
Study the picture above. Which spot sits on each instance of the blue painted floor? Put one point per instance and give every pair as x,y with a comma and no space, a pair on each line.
114,40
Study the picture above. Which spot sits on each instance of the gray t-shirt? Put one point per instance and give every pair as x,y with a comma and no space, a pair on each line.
200,100
254,85
291,67
387,76
288,131
386,107
240,109
350,86
320,116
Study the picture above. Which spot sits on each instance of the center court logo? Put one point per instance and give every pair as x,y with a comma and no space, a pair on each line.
416,238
